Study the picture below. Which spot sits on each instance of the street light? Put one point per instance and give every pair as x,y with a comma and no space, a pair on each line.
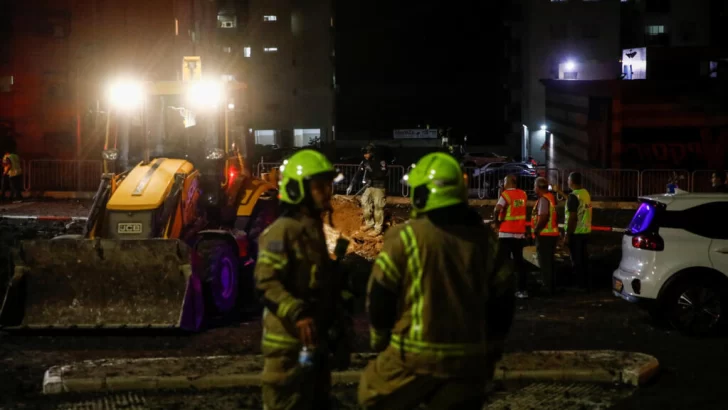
126,94
544,127
570,66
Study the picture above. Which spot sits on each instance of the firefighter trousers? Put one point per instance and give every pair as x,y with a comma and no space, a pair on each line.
373,201
287,386
386,385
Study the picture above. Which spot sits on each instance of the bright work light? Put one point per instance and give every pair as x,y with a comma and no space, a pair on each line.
205,94
126,94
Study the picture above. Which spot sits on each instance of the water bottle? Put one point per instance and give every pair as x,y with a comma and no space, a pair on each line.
306,357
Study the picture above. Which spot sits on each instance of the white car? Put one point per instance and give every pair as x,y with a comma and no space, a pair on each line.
675,260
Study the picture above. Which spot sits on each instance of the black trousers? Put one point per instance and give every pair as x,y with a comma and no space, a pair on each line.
513,248
545,249
12,184
578,244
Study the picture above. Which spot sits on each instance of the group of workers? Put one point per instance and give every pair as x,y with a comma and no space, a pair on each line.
440,303
510,219
12,177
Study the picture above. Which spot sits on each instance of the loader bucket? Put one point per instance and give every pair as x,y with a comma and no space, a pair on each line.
89,283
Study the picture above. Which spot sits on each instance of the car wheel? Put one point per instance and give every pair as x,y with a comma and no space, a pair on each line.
695,306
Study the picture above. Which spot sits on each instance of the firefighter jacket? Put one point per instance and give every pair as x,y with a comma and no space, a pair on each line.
295,276
436,302
552,226
376,172
513,216
11,165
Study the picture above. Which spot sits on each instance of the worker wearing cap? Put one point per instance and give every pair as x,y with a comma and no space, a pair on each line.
299,289
545,230
374,198
510,218
12,177
439,307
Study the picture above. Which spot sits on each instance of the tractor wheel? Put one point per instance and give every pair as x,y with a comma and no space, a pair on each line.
220,276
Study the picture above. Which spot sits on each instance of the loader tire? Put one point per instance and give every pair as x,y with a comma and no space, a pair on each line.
220,276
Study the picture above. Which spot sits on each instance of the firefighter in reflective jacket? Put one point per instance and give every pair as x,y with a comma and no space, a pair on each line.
438,306
545,230
299,290
510,217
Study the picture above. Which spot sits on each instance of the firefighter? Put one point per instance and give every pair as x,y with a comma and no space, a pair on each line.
578,228
510,219
12,177
545,230
375,196
295,275
438,306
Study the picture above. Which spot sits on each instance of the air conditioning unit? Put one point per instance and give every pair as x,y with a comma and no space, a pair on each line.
228,24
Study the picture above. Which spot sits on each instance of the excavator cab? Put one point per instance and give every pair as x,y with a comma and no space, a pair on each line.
168,243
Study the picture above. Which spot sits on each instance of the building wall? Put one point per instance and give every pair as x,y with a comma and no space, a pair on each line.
583,32
292,87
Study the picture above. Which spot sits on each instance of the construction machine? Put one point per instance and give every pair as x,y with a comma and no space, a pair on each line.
170,242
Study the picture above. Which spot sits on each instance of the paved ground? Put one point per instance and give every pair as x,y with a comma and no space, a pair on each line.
692,370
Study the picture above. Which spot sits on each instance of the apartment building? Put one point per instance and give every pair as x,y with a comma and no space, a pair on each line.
288,48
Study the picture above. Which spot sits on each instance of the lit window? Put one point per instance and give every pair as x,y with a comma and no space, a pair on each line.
559,1
265,137
270,49
305,136
655,30
176,27
246,51
227,50
270,18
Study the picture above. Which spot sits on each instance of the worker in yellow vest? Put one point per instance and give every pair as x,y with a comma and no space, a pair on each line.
510,218
578,228
545,230
12,178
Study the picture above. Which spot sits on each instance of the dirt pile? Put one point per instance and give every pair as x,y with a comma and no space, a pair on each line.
348,221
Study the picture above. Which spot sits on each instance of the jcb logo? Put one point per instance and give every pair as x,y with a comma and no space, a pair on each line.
129,228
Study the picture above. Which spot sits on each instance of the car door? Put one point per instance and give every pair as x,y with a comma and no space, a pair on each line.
719,244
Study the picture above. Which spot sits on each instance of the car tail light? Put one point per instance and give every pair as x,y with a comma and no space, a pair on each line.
648,242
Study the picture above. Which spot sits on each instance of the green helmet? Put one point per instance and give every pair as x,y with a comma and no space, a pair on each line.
304,165
436,181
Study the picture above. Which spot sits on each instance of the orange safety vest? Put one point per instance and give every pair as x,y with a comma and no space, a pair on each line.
552,226
513,217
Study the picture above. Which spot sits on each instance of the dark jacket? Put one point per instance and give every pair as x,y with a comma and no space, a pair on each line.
376,172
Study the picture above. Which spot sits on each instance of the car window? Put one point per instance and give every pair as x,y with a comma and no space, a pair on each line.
702,220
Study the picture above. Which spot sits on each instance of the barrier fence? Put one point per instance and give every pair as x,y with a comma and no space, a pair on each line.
602,184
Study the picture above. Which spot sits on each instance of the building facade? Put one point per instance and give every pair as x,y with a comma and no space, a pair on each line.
289,55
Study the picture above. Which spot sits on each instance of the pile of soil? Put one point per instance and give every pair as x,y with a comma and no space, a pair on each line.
348,221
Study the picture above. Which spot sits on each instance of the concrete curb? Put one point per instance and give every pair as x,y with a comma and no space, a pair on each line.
601,366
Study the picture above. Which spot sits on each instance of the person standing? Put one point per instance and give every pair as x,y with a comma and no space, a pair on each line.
295,275
12,178
578,228
439,305
545,229
374,198
510,218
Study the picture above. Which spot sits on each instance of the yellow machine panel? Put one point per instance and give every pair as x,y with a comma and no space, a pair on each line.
251,192
147,186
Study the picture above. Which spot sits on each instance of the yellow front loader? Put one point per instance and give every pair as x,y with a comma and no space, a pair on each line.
169,243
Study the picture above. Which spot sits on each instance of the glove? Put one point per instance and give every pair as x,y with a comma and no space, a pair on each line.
348,190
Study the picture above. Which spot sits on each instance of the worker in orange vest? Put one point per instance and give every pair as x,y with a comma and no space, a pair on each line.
510,219
545,230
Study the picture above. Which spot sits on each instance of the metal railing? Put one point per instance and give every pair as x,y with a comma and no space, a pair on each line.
602,184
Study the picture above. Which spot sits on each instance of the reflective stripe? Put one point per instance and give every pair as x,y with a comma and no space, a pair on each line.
273,260
388,267
285,306
376,337
414,267
279,341
442,350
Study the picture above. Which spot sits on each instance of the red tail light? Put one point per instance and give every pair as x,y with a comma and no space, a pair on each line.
648,242
232,172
